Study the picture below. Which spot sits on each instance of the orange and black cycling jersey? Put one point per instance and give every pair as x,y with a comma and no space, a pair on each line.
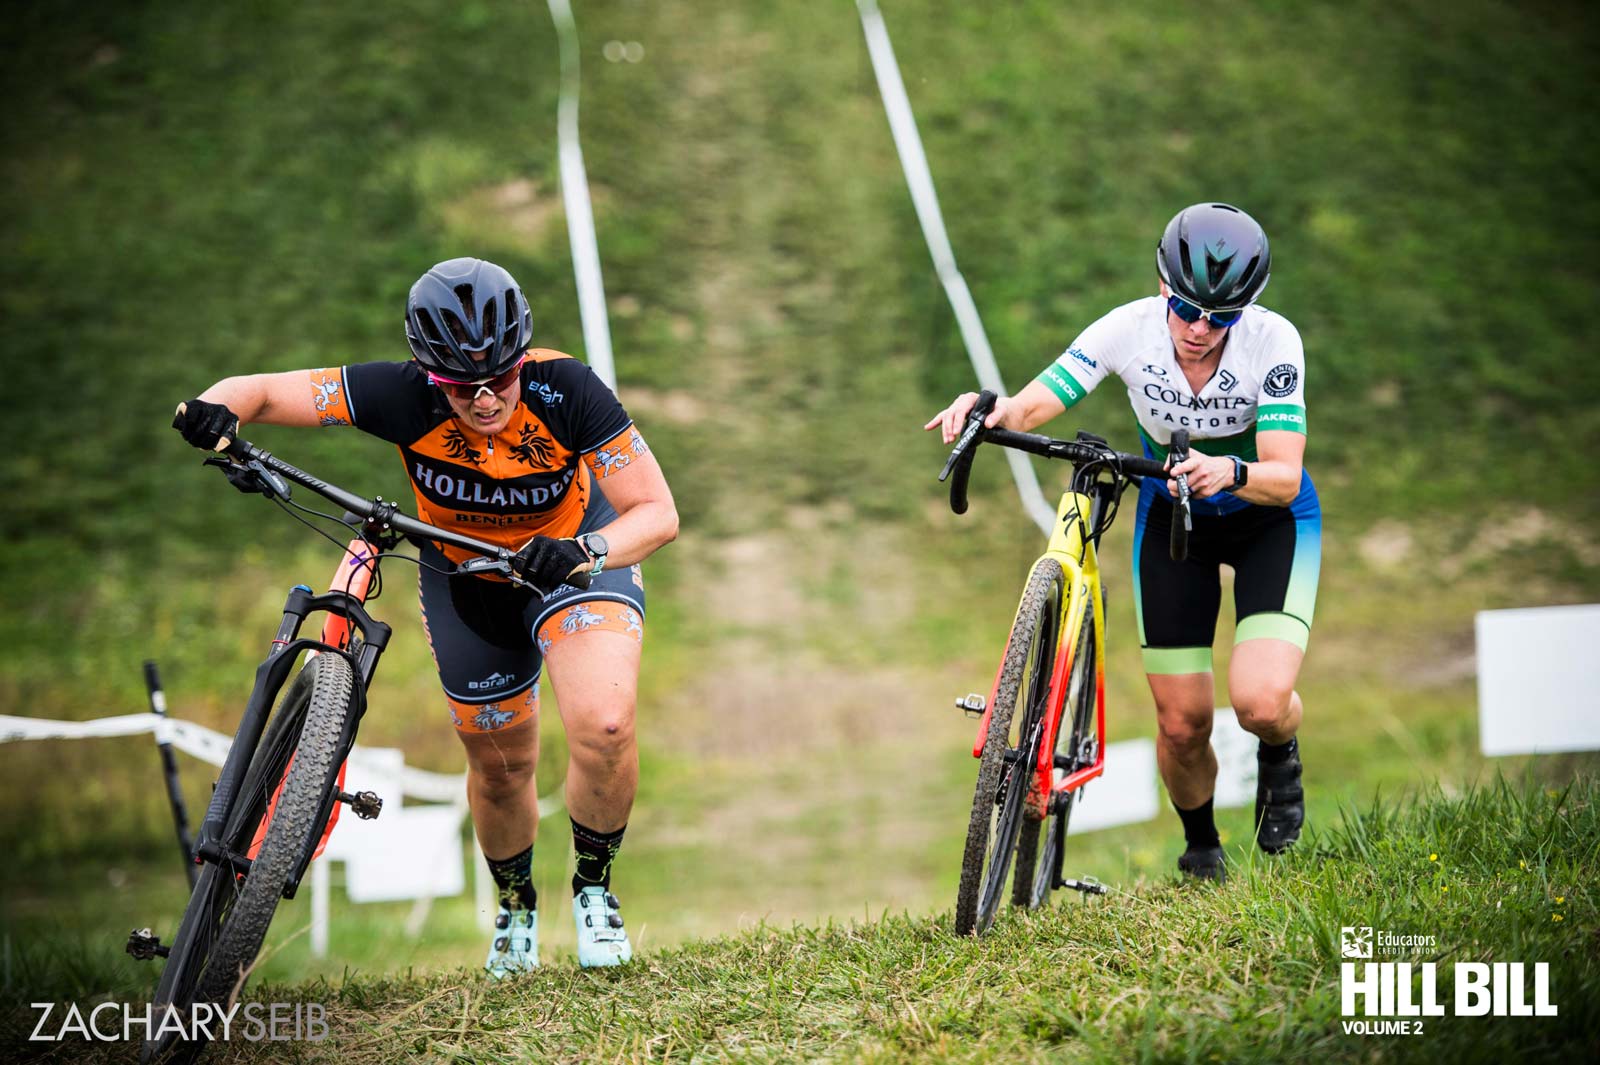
536,476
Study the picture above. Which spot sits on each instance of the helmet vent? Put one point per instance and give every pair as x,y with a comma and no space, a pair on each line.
1217,268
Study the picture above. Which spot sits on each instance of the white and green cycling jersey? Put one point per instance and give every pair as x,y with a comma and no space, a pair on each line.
1259,384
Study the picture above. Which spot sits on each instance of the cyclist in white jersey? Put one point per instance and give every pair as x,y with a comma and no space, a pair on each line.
1202,356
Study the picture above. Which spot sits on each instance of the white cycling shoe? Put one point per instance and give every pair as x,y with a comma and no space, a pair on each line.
602,940
515,948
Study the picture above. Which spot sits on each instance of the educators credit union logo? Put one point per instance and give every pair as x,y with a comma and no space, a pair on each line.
1399,997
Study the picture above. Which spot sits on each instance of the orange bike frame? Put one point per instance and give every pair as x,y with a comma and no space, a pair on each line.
354,576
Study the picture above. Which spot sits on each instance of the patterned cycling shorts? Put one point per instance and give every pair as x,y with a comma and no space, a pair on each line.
489,638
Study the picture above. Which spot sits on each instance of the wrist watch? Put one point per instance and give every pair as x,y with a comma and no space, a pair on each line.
1241,473
595,546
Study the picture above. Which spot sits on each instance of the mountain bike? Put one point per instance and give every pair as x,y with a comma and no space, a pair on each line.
1034,759
281,786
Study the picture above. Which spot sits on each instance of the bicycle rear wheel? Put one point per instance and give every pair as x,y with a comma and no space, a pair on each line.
999,800
1077,744
227,916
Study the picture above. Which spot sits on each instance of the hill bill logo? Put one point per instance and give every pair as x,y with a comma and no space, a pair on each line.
1403,990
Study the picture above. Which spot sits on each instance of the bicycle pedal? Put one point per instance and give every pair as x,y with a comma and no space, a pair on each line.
364,804
1088,885
144,946
973,704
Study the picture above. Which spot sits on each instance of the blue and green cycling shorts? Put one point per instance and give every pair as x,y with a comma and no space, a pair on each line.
1276,557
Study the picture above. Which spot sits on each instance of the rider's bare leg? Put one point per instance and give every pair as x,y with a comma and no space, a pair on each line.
500,786
1261,678
595,675
1185,707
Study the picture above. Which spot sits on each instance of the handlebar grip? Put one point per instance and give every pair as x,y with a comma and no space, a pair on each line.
966,449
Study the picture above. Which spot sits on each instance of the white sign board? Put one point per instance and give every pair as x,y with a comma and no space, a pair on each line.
1236,761
408,852
1539,680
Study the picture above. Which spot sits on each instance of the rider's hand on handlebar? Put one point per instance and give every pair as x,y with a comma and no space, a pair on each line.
208,426
953,418
1208,475
548,563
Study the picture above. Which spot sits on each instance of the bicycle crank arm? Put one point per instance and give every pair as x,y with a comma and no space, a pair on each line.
1088,885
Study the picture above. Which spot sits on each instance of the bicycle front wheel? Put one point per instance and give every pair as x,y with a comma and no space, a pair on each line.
1004,773
1077,746
295,823
227,916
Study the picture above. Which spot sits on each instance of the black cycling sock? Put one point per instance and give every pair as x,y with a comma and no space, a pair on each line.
595,851
1199,828
514,876
1277,753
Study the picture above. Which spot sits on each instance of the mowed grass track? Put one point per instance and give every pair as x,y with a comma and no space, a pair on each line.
1245,973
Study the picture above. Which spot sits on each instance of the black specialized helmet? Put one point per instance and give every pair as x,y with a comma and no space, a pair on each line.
466,307
1214,256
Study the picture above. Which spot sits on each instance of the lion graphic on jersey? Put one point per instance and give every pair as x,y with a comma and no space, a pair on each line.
533,448
456,445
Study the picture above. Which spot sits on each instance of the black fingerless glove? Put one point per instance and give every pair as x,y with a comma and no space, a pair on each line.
548,563
202,424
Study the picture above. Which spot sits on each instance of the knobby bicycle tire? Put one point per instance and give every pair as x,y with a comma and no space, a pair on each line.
294,828
226,921
1074,739
1002,788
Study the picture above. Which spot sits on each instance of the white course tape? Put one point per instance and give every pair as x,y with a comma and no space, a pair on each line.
580,215
903,125
212,747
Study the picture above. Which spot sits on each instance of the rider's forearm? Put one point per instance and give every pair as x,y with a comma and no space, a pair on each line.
639,531
245,396
269,398
1031,407
1272,484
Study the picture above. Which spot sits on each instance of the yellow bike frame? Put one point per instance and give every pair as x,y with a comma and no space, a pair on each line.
1071,547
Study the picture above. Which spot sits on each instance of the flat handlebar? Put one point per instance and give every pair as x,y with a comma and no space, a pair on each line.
495,559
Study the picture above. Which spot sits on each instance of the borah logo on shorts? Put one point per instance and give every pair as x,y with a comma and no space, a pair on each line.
493,680
1281,379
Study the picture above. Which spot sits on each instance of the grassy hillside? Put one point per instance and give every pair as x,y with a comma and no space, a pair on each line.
200,190
1151,973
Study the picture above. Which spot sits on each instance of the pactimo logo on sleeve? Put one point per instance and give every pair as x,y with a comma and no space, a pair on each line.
1405,990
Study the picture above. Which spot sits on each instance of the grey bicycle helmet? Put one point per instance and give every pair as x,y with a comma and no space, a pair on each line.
1215,256
466,307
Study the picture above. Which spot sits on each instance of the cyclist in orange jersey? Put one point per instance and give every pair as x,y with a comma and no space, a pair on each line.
525,447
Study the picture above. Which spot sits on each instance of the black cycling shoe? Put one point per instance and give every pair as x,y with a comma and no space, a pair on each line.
1280,802
1203,863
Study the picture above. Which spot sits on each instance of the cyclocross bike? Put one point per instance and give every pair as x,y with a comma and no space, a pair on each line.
1034,759
281,786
